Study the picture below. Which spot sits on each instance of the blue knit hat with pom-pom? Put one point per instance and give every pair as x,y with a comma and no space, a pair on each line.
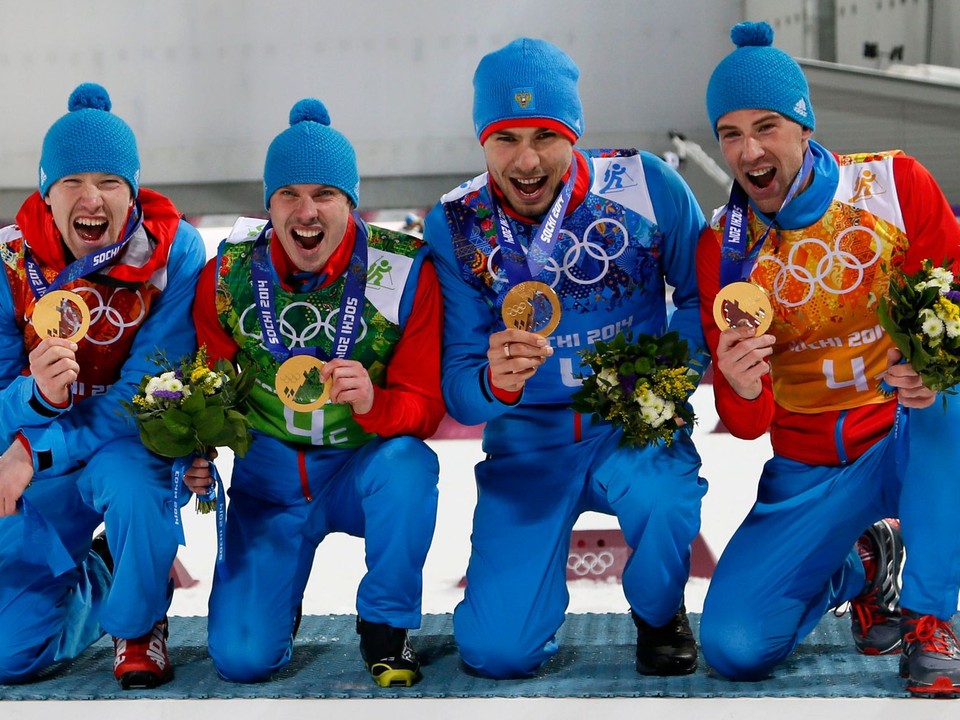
310,151
758,76
89,138
529,81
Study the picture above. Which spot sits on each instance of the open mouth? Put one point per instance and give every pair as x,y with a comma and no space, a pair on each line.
90,230
308,239
528,187
761,178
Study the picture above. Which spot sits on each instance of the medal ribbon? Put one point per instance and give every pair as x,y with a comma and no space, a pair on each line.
544,238
180,467
736,263
81,267
351,302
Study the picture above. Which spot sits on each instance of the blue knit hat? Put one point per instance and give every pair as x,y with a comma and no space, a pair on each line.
527,81
89,138
758,76
310,151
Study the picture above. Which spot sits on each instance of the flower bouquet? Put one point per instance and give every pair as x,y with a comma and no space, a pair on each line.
921,314
638,385
188,409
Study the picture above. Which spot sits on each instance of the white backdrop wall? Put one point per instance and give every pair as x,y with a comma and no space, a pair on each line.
206,84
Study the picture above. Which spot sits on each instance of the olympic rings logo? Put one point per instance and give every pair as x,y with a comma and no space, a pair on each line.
316,323
578,248
520,308
103,314
833,259
590,563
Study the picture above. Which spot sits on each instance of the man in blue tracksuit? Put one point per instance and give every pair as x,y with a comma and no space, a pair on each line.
356,308
94,240
606,231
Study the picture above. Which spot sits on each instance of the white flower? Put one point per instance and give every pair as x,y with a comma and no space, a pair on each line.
943,277
171,383
931,324
953,328
608,377
649,415
186,391
657,404
643,395
669,410
153,384
941,281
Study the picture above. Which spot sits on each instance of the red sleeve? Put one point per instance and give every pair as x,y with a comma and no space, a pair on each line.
508,397
747,419
410,403
209,330
932,228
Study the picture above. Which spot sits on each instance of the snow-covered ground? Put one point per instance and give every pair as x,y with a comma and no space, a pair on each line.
731,467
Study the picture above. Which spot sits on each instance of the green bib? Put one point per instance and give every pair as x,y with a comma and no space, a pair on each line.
309,319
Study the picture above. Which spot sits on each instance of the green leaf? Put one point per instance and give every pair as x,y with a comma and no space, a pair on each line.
178,422
209,423
194,404
163,442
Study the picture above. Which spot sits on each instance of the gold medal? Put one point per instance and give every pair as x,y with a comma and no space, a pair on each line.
62,314
742,303
532,306
298,383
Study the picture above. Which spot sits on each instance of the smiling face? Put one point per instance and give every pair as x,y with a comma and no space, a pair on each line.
310,221
90,210
765,152
528,165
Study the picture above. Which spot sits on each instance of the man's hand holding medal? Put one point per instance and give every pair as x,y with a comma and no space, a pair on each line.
61,319
743,313
531,311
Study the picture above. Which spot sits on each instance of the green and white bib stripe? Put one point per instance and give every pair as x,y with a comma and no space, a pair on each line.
309,319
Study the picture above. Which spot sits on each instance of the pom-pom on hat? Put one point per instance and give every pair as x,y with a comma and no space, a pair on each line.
89,138
528,82
758,76
310,151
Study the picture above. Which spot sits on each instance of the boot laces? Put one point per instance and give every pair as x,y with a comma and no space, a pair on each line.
868,612
933,634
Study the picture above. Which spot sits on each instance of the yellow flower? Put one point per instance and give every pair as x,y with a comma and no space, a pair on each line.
672,382
946,309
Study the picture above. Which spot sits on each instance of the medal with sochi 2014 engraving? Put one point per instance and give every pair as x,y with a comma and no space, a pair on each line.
61,314
298,383
531,306
742,304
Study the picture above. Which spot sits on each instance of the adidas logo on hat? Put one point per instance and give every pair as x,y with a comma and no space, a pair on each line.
800,108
